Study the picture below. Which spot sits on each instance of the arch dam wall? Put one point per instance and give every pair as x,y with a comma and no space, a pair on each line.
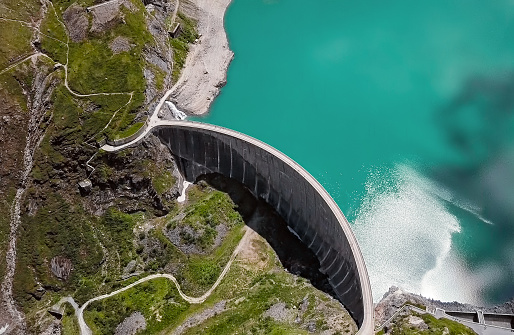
301,201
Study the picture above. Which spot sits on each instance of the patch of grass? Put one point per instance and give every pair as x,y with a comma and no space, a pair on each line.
158,301
94,68
14,42
104,108
195,272
10,87
53,43
435,326
131,130
20,10
163,181
180,44
69,322
120,227
203,215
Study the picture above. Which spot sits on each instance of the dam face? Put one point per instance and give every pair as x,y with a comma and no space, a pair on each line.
299,199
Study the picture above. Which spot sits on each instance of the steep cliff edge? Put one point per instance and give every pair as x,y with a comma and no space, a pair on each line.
72,74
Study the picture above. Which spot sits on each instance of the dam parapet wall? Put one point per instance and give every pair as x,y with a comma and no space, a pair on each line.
299,199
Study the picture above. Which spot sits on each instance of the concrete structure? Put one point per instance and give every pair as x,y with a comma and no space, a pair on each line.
175,30
481,323
303,203
85,186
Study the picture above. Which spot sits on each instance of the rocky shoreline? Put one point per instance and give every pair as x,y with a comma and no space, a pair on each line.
207,62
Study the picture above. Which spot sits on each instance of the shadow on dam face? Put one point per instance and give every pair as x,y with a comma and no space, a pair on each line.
293,254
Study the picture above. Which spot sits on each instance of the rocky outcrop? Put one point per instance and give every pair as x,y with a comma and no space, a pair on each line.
392,301
61,267
107,16
159,57
131,325
127,180
120,44
76,21
201,317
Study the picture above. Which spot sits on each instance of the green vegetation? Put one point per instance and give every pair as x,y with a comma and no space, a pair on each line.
206,209
94,68
70,325
15,45
197,272
15,37
131,130
59,226
163,181
250,288
158,300
119,227
180,44
56,220
401,326
15,42
200,272
204,215
20,10
54,40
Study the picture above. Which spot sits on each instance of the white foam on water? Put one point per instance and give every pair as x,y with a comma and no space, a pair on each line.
182,196
177,114
451,280
461,203
403,228
4,329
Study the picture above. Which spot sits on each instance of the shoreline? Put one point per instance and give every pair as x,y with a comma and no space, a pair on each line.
207,62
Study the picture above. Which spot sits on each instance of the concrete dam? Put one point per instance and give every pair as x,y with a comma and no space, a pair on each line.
295,195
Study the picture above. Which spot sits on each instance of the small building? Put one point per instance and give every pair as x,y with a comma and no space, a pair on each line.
101,142
85,186
175,30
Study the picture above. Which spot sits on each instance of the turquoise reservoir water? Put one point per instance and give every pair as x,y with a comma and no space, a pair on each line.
403,111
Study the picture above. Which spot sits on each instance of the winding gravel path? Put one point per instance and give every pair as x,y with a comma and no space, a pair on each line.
79,311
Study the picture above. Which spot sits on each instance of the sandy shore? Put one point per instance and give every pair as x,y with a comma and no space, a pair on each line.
206,66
